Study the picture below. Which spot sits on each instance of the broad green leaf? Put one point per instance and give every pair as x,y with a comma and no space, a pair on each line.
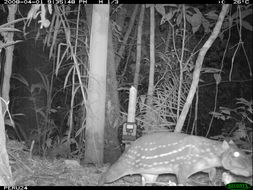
195,29
166,17
196,20
217,78
212,15
210,70
179,19
160,8
247,25
188,18
206,25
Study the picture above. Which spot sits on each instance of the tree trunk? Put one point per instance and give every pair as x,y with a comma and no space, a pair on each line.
150,113
95,120
8,38
5,170
112,145
138,55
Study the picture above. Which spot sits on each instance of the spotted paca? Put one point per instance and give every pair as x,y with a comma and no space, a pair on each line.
179,154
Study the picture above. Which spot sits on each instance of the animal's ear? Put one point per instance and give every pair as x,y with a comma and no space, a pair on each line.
231,142
225,145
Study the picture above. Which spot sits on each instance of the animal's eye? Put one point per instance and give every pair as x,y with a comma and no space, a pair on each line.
236,154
